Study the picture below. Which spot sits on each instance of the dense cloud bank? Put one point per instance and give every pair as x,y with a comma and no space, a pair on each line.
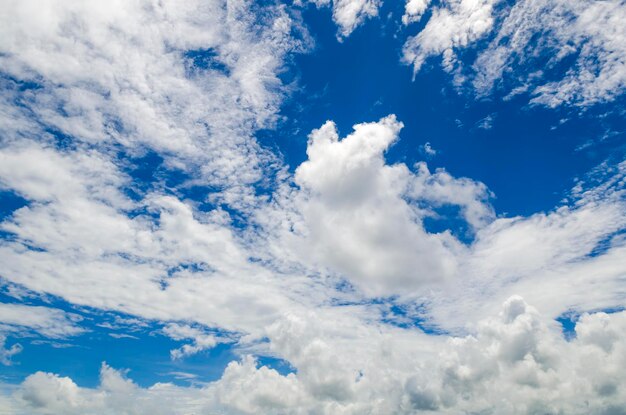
514,363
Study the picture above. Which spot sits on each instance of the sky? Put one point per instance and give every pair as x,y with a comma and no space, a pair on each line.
313,207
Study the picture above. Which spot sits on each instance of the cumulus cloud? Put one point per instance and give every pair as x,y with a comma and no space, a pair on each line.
513,362
47,393
361,218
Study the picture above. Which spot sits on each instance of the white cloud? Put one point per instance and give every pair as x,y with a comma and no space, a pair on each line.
514,362
6,353
201,340
599,74
588,33
46,321
413,10
361,218
454,25
46,393
76,240
349,14
120,74
574,250
428,150
529,35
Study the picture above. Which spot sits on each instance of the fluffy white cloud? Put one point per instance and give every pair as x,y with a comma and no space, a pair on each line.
359,217
46,393
516,363
455,24
349,14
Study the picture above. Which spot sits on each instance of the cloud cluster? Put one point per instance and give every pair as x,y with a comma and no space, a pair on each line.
578,46
347,216
589,34
456,24
188,80
513,363
201,340
333,271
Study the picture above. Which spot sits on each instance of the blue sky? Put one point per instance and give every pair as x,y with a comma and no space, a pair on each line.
349,206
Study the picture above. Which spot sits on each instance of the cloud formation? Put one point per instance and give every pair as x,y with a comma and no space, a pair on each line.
578,47
514,363
332,268
189,81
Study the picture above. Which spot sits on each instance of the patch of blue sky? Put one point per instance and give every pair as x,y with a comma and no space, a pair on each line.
410,316
148,173
568,324
449,217
281,366
204,59
10,202
607,242
395,313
